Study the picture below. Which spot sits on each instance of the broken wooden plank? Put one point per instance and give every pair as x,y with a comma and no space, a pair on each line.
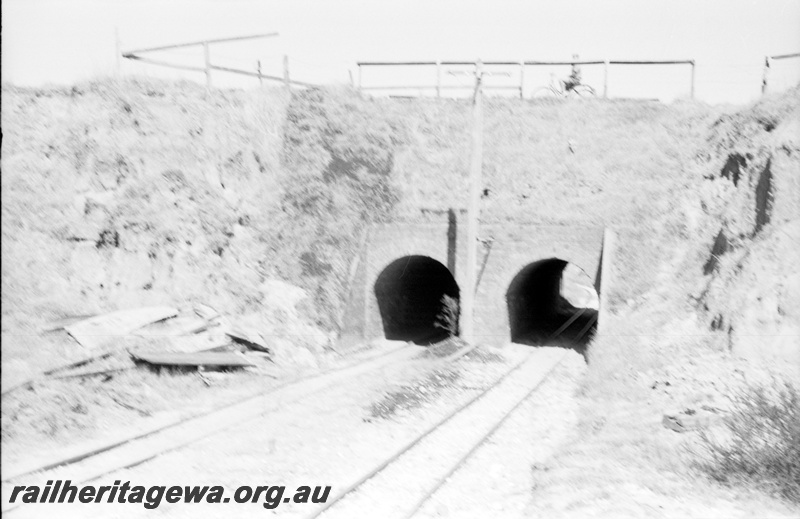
95,373
205,359
112,364
126,405
60,324
248,337
205,312
94,332
69,365
198,342
177,326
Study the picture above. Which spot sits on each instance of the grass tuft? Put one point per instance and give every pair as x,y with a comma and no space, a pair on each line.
415,395
762,444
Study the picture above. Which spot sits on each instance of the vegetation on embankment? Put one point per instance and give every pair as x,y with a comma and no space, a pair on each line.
750,289
338,153
716,332
117,195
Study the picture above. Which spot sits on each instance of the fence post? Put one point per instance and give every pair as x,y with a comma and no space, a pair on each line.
522,80
286,82
359,76
605,79
765,77
118,49
691,92
207,57
438,78
258,69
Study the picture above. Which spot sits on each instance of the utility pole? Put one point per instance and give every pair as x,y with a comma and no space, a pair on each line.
473,210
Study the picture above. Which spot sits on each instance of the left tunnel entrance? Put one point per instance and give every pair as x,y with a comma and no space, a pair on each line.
410,299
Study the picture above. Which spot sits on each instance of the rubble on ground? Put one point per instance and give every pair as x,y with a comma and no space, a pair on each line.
198,338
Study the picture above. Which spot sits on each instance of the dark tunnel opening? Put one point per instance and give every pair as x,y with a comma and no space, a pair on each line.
410,299
543,310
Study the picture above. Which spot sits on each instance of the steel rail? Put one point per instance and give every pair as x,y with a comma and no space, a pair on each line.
441,481
414,442
114,444
586,328
564,326
83,456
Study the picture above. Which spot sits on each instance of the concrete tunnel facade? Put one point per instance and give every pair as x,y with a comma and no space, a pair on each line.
514,262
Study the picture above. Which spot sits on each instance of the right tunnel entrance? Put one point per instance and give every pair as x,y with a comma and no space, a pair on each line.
552,303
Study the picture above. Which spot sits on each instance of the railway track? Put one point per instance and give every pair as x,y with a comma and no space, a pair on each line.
403,482
89,465
463,430
15,472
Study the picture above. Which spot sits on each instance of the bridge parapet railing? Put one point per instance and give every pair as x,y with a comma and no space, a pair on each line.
434,80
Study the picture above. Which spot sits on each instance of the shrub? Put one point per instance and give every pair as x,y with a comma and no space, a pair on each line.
338,150
447,318
763,446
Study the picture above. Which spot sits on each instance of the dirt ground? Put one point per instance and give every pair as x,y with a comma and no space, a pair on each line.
559,455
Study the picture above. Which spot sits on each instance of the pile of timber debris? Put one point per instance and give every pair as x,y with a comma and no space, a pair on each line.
158,337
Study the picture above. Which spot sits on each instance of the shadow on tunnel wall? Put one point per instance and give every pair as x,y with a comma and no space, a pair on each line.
409,293
538,313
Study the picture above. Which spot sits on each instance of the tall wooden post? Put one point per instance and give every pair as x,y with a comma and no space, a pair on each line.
765,77
522,80
473,211
286,82
605,79
258,69
207,58
691,93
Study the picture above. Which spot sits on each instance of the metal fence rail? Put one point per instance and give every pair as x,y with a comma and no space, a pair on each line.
438,86
135,55
768,65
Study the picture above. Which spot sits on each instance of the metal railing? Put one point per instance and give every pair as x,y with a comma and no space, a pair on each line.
438,87
136,55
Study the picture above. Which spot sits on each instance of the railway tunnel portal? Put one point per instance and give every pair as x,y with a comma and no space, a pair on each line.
532,279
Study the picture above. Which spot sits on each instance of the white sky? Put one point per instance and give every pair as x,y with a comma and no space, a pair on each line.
63,41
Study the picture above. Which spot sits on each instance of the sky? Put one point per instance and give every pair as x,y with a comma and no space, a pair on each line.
67,41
